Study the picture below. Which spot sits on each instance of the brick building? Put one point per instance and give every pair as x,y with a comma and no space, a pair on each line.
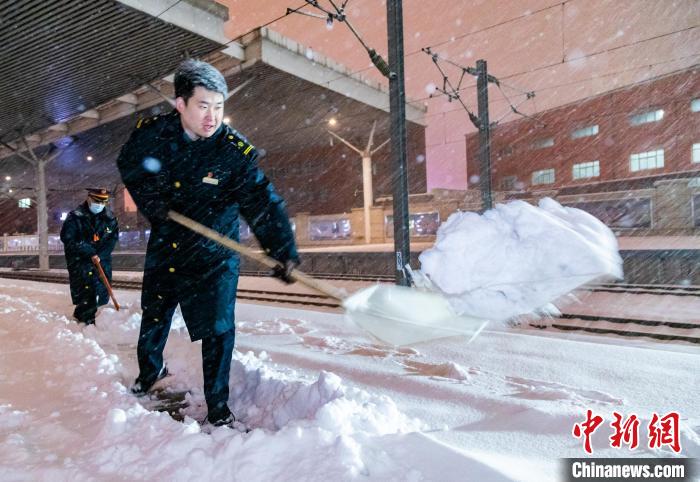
648,130
620,143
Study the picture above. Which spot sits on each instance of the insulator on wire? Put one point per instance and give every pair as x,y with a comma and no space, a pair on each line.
380,63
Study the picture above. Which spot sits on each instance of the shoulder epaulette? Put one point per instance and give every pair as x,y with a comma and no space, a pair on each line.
144,121
240,142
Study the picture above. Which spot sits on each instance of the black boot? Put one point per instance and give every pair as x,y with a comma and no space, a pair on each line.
140,388
221,417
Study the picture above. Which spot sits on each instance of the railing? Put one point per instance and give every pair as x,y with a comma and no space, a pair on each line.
28,243
320,230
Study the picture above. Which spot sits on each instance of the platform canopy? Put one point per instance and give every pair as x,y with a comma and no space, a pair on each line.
90,68
61,59
72,66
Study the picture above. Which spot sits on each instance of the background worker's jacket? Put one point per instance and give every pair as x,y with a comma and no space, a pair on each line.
84,235
212,181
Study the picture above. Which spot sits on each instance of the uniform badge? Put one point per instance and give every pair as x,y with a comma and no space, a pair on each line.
210,179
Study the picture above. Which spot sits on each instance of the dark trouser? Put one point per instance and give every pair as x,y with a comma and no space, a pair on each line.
87,290
216,364
216,361
207,304
86,305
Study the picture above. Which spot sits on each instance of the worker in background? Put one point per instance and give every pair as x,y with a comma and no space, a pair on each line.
89,234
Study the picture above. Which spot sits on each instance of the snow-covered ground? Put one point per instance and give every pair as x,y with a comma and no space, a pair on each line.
322,400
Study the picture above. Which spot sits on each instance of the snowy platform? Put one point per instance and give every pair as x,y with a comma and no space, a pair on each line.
323,401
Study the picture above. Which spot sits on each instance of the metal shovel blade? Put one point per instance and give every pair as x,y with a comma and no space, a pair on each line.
400,316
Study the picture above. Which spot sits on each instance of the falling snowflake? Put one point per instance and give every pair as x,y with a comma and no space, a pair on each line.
151,165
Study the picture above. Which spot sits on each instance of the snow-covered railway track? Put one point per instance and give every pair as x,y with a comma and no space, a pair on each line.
675,290
665,330
304,299
609,325
373,278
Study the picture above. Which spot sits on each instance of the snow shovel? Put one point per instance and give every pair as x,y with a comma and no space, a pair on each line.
395,314
105,281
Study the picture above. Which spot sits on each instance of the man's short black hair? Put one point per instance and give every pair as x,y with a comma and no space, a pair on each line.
195,73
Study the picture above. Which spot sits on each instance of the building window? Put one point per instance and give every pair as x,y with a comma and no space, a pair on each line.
323,229
695,105
627,213
585,132
508,183
647,160
419,224
506,151
545,176
586,169
24,203
644,117
696,152
542,143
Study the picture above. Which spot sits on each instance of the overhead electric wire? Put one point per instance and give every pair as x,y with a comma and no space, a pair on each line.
588,79
420,50
167,9
454,92
501,79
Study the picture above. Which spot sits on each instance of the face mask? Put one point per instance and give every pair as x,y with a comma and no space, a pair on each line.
96,208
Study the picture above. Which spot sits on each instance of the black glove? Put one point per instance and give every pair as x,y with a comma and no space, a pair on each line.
284,272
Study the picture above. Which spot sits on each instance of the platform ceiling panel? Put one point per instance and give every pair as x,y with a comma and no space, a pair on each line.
59,58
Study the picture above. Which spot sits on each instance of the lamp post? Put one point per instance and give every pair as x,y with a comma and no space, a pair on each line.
40,191
367,190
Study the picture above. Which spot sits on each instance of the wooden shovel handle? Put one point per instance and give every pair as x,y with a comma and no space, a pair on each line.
320,286
105,281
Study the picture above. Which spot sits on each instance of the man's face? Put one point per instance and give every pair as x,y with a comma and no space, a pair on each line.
203,113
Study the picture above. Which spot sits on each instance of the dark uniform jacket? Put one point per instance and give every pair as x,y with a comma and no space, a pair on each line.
84,235
212,181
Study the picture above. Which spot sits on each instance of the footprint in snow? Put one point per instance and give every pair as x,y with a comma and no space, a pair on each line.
277,326
540,390
449,370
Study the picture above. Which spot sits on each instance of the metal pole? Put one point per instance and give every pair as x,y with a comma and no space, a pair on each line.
42,216
397,102
368,198
482,88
